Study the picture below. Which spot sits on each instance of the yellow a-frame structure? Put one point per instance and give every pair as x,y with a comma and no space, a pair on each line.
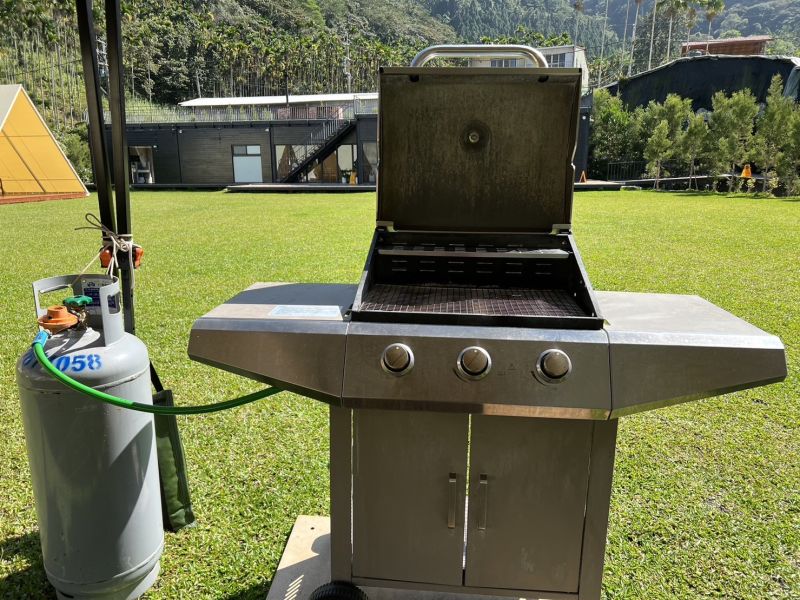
32,164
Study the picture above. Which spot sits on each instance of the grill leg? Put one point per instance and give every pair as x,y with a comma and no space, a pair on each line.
597,504
340,458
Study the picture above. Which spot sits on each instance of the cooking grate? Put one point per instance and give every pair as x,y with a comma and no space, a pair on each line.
471,301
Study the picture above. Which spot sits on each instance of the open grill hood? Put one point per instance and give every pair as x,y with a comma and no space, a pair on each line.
475,201
482,150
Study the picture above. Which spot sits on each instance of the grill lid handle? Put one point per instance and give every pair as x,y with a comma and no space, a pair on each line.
482,50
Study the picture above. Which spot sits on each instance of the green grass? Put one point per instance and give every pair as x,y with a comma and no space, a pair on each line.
705,503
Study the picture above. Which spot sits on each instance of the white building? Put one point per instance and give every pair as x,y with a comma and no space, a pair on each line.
557,57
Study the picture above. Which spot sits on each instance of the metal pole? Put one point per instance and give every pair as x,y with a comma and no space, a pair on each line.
94,107
116,103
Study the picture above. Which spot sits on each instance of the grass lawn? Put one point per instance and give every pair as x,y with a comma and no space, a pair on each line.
706,500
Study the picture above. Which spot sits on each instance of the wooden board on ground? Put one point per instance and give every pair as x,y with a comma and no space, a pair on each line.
305,565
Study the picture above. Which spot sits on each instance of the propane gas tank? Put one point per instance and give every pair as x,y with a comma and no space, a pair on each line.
94,466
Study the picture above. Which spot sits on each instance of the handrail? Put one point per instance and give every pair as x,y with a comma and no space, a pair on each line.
315,141
239,113
482,50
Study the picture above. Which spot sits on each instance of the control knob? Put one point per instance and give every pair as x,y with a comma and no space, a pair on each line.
553,366
473,363
397,359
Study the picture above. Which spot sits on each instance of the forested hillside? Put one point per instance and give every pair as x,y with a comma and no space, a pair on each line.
180,49
738,17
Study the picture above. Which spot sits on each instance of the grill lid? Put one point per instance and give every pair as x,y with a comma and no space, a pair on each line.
477,149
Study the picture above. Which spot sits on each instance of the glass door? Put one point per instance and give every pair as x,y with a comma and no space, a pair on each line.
247,164
140,159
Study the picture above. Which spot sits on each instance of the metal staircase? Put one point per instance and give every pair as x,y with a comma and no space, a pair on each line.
320,142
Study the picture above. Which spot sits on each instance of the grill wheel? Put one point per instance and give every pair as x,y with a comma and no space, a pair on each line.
338,590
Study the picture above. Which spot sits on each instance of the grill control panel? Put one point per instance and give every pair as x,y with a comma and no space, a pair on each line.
526,372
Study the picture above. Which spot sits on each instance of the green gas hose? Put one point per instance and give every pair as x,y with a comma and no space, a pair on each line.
38,350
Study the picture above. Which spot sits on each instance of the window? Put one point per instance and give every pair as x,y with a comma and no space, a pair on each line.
504,62
557,60
247,150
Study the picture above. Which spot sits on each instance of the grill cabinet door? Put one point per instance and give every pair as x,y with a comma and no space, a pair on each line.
409,471
527,494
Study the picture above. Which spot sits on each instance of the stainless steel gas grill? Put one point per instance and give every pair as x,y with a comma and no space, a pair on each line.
473,375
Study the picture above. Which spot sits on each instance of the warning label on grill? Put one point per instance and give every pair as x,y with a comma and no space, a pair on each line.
306,311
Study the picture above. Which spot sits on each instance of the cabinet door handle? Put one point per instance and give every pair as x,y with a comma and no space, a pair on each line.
483,499
452,493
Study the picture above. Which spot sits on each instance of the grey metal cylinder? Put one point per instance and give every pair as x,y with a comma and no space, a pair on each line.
93,466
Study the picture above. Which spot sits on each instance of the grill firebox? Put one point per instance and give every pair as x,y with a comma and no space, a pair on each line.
518,280
479,301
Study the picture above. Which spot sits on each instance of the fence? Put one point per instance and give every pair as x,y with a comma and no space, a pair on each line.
153,113
50,71
632,170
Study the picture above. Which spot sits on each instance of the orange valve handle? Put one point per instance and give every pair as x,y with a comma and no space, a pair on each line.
57,319
105,256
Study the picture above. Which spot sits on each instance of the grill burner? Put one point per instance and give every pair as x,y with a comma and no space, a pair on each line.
471,300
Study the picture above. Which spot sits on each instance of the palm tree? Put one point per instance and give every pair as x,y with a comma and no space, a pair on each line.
674,7
713,9
652,34
633,35
602,47
691,20
578,5
625,30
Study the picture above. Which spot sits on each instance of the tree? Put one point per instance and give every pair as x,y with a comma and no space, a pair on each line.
614,130
652,35
790,160
658,149
691,19
19,16
579,7
625,29
75,144
675,111
602,46
693,143
673,9
713,8
771,142
633,35
528,37
731,127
